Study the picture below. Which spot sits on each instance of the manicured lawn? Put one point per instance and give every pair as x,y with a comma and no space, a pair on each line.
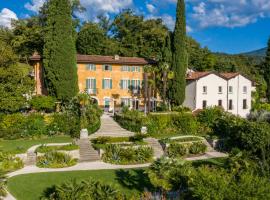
20,146
31,186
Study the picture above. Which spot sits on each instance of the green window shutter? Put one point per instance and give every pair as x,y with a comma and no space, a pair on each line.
133,69
128,84
95,84
129,68
111,83
121,84
122,68
103,84
111,67
95,67
103,67
139,84
133,83
87,83
139,69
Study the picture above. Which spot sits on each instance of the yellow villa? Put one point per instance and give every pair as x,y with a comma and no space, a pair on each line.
113,81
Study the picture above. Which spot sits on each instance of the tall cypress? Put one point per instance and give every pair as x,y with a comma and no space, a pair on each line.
59,53
179,60
267,70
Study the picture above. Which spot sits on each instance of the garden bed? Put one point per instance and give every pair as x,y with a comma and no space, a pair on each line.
44,148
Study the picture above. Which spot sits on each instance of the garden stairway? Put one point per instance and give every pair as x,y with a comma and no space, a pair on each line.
87,152
110,128
31,158
158,150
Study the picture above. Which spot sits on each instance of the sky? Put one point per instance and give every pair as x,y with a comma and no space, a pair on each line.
230,26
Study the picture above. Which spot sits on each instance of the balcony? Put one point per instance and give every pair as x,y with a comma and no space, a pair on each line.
91,91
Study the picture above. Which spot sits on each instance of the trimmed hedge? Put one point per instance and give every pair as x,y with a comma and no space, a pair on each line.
179,150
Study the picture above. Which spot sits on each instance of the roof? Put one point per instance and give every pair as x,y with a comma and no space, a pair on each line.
230,75
197,75
227,76
96,59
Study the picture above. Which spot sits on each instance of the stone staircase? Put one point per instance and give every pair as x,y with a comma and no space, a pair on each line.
87,152
158,150
31,158
110,128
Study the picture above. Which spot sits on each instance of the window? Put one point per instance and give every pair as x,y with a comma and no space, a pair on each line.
91,67
245,104
230,89
125,102
135,69
125,68
125,84
230,104
107,83
220,89
136,84
204,90
107,68
91,86
245,89
91,83
204,104
220,103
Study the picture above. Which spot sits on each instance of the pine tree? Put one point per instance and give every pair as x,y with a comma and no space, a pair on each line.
267,70
179,60
59,51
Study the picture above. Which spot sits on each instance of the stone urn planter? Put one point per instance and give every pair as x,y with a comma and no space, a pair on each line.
84,134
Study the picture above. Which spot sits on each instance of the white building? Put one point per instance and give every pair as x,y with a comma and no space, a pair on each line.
232,91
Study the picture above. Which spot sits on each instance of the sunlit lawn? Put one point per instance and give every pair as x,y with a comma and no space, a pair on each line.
21,146
31,186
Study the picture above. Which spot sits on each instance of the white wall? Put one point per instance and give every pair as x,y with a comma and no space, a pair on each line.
212,82
244,82
190,98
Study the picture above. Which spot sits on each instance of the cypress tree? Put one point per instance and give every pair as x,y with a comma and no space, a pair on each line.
179,60
267,70
59,53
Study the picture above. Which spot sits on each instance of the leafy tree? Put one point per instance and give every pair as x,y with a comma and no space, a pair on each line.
42,103
27,37
92,39
179,62
266,69
59,51
15,82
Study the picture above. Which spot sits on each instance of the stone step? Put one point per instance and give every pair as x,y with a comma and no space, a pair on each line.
87,152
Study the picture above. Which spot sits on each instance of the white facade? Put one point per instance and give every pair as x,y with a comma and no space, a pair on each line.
232,92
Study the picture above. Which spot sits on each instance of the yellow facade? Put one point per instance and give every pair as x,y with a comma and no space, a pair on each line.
116,93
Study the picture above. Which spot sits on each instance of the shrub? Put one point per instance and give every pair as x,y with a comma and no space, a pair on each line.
42,103
160,124
34,126
181,109
9,162
177,150
45,148
131,155
186,124
55,160
3,182
197,148
82,190
210,116
138,137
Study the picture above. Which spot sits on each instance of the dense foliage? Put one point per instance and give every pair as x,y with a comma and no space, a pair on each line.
54,159
82,190
46,149
3,182
178,150
9,163
118,154
59,53
42,103
266,70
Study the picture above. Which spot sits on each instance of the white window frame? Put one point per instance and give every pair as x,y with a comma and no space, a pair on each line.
126,101
91,85
108,86
91,67
245,89
204,89
230,90
125,68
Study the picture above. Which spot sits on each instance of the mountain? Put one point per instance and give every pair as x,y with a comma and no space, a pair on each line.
259,53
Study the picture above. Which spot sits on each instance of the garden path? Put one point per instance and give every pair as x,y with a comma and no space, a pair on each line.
110,128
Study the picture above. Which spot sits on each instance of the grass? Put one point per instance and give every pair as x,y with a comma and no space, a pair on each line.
21,146
31,186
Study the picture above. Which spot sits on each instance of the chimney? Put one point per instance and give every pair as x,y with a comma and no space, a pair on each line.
116,57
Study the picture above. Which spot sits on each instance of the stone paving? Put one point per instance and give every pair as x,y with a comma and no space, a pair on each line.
110,128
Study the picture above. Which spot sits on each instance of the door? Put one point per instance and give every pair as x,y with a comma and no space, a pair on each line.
107,103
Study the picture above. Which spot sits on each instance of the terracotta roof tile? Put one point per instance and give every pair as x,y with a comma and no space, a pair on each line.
95,59
196,75
229,75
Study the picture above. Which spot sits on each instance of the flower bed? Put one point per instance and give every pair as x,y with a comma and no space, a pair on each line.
9,162
55,160
179,150
117,154
45,148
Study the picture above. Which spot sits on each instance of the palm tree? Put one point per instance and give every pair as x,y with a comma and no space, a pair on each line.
149,85
3,182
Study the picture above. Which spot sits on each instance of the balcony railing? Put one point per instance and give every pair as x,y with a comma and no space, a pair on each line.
91,91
